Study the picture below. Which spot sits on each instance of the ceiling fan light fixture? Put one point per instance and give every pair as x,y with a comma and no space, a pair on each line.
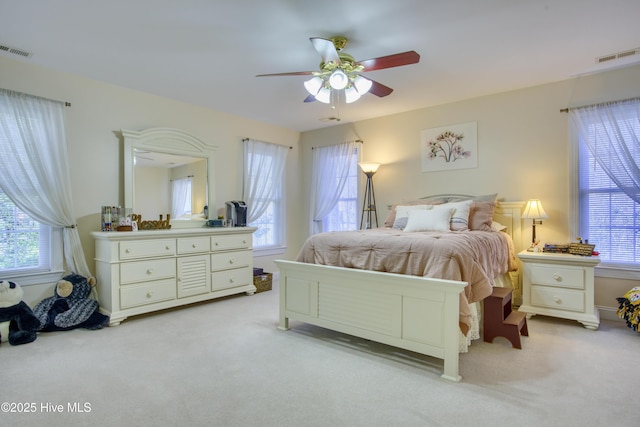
362,84
324,95
351,94
338,79
313,85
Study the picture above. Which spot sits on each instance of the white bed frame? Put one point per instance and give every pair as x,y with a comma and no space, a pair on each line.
410,312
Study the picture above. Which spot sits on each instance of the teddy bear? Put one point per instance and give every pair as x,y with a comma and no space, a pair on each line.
18,324
71,307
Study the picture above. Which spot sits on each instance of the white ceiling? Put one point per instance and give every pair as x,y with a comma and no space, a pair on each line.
207,52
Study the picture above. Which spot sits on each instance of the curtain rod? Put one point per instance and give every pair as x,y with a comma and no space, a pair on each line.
359,141
566,110
246,139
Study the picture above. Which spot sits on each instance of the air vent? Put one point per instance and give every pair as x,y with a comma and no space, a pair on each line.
618,55
14,51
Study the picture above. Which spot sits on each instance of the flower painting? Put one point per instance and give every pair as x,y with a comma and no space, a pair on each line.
450,147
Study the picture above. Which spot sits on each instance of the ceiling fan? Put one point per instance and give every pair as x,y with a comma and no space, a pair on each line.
339,70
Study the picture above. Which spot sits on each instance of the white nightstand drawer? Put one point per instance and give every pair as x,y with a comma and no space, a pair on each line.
230,260
193,245
232,241
556,298
148,293
145,271
231,278
147,248
557,276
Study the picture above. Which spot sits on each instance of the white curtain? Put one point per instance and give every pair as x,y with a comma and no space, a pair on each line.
35,167
180,196
611,131
330,170
264,165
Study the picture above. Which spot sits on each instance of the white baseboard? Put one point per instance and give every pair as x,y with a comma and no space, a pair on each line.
609,313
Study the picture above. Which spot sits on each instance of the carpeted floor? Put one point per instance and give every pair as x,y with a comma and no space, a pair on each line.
224,363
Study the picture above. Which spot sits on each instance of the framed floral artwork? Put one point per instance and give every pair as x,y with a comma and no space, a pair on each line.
450,147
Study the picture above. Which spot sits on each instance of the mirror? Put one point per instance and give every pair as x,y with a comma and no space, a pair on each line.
167,171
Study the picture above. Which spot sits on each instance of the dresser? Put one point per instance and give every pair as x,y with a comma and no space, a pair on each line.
559,285
145,271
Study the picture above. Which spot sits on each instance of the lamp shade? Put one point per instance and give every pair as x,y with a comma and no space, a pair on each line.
368,167
313,85
362,84
324,95
534,210
338,79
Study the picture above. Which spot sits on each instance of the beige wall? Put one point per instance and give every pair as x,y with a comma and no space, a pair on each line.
522,147
99,110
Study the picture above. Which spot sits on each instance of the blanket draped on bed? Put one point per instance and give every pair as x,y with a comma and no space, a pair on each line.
475,257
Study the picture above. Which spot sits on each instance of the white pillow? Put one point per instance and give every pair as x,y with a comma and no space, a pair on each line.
436,219
460,217
402,214
496,226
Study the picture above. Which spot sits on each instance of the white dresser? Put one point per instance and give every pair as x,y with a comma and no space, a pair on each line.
144,271
560,285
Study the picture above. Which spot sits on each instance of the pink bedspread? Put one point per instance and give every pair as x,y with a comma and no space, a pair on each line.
475,257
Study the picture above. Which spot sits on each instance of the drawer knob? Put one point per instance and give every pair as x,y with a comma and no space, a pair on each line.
149,294
149,271
230,261
557,277
244,242
557,300
216,243
193,246
127,251
231,280
167,247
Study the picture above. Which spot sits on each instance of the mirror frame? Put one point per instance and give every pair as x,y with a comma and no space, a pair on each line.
168,141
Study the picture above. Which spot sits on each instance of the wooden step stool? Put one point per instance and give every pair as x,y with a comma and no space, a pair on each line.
499,320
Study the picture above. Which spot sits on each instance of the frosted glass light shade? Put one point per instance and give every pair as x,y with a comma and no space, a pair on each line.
368,167
534,210
338,79
362,84
351,95
313,85
324,95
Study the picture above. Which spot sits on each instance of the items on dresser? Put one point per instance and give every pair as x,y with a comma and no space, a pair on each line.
560,285
148,271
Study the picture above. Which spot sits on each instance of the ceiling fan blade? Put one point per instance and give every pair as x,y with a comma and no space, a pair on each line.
397,60
310,98
378,89
326,49
295,73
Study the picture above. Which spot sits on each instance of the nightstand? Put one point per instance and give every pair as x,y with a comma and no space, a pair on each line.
559,285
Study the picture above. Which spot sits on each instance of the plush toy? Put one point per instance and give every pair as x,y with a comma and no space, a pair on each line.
71,307
18,325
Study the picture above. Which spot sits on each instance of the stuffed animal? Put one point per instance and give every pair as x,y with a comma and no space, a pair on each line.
71,307
18,325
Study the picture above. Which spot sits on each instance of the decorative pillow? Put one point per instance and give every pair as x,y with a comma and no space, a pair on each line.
436,219
481,215
460,217
391,216
402,214
496,226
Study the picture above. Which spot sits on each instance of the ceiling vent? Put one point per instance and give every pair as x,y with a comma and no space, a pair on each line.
618,55
14,51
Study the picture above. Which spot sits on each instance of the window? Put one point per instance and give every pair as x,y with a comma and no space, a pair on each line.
24,242
181,197
344,215
608,215
264,165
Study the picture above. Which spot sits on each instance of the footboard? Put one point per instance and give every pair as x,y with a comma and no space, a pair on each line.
410,312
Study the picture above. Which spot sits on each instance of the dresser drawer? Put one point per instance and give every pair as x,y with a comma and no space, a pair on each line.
231,241
147,293
144,271
557,298
557,276
228,260
147,248
193,245
231,278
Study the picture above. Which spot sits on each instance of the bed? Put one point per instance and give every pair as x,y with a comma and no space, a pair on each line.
410,306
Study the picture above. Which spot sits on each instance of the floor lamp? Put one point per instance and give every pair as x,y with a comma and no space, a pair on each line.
369,201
